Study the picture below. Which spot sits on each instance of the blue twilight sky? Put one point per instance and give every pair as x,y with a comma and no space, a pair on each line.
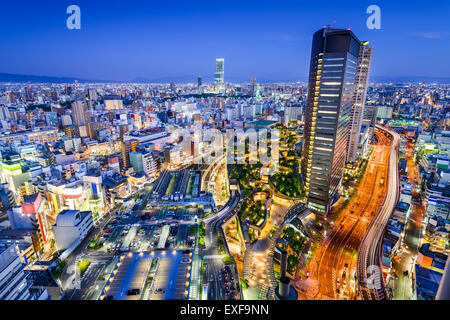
266,39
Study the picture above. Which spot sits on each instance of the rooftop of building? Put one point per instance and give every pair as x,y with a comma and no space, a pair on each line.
137,175
403,206
16,233
437,257
112,97
7,255
113,180
427,282
67,218
30,199
35,130
439,187
262,123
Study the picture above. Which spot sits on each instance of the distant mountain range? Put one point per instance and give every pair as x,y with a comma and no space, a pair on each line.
9,77
406,79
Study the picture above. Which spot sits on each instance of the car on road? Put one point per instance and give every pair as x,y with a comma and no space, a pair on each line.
159,291
133,292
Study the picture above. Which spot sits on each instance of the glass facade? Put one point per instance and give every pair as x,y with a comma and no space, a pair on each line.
219,75
333,67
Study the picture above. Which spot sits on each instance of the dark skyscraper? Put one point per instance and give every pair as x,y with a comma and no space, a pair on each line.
333,67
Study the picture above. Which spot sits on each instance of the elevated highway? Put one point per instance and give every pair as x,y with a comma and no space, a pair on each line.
369,270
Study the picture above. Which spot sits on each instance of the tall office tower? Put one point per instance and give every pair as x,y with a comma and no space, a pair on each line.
199,82
359,99
219,75
252,86
332,73
79,113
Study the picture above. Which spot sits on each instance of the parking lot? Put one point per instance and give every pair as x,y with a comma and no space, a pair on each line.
160,280
131,280
128,232
142,233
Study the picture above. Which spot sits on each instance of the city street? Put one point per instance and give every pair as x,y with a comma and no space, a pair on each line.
333,265
403,284
211,253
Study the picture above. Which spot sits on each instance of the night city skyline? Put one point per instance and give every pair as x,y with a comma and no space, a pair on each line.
221,159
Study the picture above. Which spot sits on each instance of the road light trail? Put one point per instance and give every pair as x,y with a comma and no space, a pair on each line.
372,285
338,252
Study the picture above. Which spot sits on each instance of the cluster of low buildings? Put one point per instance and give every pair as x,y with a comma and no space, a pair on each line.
435,248
72,153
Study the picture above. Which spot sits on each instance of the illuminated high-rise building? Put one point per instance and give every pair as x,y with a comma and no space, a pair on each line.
332,74
79,113
359,99
219,75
